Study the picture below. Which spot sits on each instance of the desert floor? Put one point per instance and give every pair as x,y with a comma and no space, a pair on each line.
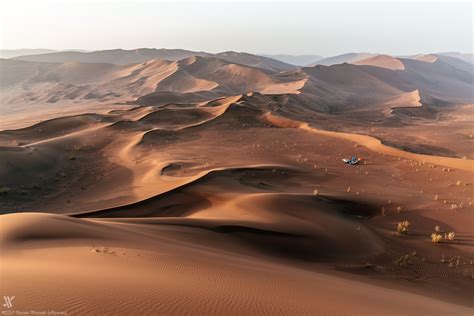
228,207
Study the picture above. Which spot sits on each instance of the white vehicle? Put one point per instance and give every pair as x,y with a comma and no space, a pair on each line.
352,161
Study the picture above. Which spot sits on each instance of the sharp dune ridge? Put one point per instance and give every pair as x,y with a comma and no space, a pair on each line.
382,61
177,182
376,145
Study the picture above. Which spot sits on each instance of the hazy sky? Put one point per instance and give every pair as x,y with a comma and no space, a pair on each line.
262,27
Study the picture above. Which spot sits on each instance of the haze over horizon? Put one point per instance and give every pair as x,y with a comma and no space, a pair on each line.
325,29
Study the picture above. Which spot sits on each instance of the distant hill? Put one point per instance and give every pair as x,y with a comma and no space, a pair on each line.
465,57
54,82
126,57
254,61
383,61
113,56
10,53
297,60
345,58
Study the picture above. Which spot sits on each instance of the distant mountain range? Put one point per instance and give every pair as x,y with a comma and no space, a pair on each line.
11,53
275,62
126,57
356,80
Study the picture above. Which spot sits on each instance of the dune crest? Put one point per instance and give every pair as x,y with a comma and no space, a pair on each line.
376,145
426,58
382,61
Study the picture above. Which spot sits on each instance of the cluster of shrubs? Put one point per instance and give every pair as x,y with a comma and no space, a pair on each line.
436,237
439,235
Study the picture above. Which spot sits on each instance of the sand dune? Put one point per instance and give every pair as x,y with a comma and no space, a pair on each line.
427,58
257,61
409,99
230,286
30,82
345,58
376,145
376,84
382,61
297,60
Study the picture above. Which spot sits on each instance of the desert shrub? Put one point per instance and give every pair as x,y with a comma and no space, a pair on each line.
403,260
436,238
449,236
402,228
4,190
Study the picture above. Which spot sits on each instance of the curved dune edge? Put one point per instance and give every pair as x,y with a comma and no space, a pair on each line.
406,100
169,184
382,61
426,58
146,180
375,144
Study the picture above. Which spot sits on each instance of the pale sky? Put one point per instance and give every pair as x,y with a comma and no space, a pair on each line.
256,27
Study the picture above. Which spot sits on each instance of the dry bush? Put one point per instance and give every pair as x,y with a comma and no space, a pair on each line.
449,236
403,260
402,228
436,238
4,190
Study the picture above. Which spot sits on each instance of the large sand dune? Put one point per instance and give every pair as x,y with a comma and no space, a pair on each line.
382,61
181,276
344,58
